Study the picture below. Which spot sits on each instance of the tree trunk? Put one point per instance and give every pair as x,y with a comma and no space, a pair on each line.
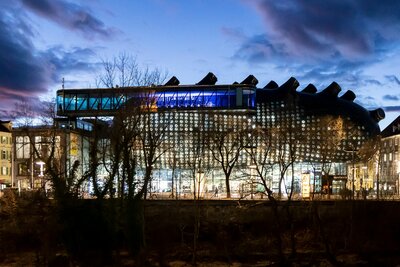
228,188
147,179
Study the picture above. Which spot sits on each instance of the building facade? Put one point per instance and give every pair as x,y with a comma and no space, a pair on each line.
203,127
64,146
6,153
389,161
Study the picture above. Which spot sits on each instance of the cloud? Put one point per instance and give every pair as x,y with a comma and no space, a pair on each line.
27,72
331,34
71,16
323,41
393,79
392,108
373,82
259,48
233,33
391,97
65,61
20,68
367,102
314,30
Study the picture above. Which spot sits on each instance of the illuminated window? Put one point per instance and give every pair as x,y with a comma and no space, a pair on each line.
22,169
4,171
22,147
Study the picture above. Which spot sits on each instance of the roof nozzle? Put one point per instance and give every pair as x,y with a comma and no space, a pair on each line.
310,89
172,82
332,90
251,80
290,85
349,96
209,79
271,85
377,114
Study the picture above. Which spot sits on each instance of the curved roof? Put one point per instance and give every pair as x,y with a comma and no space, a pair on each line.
325,102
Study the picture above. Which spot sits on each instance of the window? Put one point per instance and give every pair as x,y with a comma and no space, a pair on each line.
22,169
45,145
41,145
4,154
22,147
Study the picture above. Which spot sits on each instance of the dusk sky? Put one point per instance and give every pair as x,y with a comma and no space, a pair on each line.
353,42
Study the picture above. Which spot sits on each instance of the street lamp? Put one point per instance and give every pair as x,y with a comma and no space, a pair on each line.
41,166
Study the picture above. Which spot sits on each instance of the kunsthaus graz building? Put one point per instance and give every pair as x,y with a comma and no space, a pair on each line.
207,127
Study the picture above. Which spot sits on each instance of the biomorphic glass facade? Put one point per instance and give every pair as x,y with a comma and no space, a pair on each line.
304,126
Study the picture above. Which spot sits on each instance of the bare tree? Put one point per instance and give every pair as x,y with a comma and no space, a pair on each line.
371,153
226,145
198,163
261,150
48,153
358,151
288,141
152,140
118,150
259,147
123,71
173,163
135,143
135,140
333,134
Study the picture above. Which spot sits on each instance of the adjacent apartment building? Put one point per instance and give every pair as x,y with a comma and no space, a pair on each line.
5,153
389,174
62,146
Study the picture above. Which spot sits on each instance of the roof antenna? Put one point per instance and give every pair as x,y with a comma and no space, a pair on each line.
63,83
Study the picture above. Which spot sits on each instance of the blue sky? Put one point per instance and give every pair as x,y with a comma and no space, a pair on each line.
353,42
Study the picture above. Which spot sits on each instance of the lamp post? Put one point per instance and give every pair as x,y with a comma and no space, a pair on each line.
41,171
41,166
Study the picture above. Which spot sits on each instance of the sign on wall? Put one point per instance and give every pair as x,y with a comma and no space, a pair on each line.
73,144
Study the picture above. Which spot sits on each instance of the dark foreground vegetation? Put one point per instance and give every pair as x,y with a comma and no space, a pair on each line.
36,231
